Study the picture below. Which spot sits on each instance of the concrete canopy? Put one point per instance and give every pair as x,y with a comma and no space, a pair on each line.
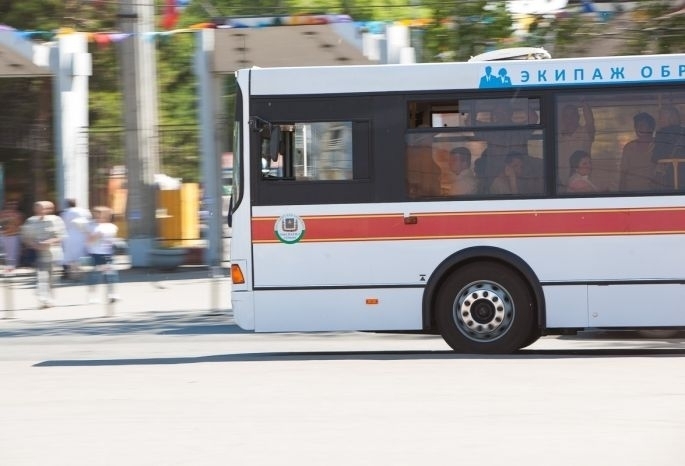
21,58
303,45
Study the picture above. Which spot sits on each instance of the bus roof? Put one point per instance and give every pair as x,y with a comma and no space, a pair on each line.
592,71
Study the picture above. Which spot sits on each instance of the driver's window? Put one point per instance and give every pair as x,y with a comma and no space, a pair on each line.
315,151
323,151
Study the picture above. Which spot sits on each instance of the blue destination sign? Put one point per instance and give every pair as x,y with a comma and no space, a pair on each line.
537,74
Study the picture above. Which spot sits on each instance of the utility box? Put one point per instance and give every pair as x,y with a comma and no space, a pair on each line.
178,220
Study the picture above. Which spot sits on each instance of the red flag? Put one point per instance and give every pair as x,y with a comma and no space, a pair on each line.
171,14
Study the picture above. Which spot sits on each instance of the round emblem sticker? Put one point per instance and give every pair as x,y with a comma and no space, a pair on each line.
289,228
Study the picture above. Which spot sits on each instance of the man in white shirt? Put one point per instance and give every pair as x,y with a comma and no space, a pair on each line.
464,181
44,232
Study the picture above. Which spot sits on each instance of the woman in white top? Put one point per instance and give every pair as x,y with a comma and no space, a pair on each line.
581,168
101,239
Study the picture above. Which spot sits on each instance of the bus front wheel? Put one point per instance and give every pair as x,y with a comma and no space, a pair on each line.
485,307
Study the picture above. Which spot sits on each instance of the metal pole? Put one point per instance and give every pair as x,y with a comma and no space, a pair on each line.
212,141
109,306
9,295
139,80
109,289
214,282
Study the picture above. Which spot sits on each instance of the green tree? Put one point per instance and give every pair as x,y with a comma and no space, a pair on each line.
656,28
461,30
363,10
564,34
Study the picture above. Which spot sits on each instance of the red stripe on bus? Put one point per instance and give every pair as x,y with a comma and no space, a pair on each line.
483,225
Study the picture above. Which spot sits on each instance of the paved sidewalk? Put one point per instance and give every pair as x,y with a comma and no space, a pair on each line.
191,290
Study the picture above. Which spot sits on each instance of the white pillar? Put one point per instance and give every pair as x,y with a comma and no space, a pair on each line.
397,37
71,64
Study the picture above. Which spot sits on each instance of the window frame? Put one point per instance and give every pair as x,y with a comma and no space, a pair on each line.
292,110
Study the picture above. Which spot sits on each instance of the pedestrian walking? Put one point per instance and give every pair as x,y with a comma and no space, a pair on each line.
101,240
10,228
44,232
77,222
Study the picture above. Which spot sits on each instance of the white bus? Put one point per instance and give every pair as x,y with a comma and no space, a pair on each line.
569,215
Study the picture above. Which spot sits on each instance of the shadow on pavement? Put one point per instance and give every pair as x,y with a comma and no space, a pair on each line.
366,356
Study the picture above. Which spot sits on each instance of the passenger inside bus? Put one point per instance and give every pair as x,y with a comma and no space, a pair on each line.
483,182
500,142
507,182
463,181
637,169
581,169
669,147
573,135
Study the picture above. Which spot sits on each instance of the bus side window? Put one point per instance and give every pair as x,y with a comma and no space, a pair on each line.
423,174
492,160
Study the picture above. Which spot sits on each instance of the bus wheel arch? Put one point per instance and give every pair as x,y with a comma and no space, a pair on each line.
500,282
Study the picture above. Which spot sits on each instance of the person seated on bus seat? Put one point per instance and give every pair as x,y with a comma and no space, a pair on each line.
463,181
637,168
581,169
507,182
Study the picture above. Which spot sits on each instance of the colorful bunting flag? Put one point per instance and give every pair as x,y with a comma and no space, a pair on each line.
171,14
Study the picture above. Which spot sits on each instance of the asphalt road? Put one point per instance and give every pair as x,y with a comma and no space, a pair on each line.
189,388
164,378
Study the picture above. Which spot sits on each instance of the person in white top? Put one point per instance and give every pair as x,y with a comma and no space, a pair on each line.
44,232
581,169
76,221
464,181
101,239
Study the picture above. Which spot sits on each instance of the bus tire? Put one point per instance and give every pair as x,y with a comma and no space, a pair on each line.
485,307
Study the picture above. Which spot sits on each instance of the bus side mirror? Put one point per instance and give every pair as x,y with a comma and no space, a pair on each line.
274,142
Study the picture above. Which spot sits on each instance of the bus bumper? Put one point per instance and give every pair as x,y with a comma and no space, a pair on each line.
243,309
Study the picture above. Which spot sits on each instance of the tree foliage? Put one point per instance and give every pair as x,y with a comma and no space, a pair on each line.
656,28
461,30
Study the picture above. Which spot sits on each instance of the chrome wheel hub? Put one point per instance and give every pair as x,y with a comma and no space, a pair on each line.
483,311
